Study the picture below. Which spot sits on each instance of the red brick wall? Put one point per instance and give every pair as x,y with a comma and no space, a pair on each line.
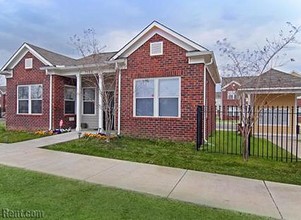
173,62
210,104
58,103
21,76
228,102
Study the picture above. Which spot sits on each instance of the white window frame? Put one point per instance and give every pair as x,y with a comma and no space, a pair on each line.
156,98
74,87
154,43
95,103
232,96
28,63
29,100
233,111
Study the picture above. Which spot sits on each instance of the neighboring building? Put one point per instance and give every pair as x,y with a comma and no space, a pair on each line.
230,97
268,91
159,78
2,100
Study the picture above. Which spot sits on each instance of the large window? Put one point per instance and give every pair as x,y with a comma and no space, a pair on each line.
69,98
231,95
30,99
159,97
89,101
269,116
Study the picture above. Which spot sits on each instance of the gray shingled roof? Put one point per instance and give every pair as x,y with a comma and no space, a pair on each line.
239,79
274,79
271,79
59,59
95,58
54,58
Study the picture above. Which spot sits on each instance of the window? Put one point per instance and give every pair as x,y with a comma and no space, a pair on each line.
233,111
69,98
28,63
231,95
156,48
30,99
89,101
269,116
159,97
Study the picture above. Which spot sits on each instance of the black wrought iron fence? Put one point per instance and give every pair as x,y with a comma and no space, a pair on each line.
274,131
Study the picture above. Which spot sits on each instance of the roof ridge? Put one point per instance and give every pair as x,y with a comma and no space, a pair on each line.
47,50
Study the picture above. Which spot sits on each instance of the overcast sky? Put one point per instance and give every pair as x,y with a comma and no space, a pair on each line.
51,23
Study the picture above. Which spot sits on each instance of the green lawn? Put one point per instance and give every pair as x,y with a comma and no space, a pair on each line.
60,198
184,155
229,142
15,136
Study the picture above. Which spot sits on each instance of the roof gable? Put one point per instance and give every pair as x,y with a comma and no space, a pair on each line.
48,58
157,28
20,53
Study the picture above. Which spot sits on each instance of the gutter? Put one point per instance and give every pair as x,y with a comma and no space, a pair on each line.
204,94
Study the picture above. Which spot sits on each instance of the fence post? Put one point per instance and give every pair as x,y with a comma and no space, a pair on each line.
0,112
199,127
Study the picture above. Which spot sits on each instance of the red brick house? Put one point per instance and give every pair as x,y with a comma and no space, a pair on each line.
230,96
2,99
160,78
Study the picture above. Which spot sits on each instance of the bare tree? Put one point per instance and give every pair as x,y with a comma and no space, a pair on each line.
93,63
254,63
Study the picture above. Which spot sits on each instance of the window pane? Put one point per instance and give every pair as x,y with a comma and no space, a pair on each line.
23,106
145,107
69,93
144,88
36,92
36,106
168,107
89,94
69,107
168,87
23,92
89,108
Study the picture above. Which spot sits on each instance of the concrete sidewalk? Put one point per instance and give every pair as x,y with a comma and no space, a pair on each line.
280,201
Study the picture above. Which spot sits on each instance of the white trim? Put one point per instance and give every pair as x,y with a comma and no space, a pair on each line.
156,97
270,89
50,101
29,99
119,102
78,102
100,102
89,87
20,53
233,81
151,30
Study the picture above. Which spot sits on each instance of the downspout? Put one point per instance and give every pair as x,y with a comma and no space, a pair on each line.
204,98
119,101
50,100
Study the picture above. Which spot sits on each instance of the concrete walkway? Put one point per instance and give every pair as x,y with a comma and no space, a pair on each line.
280,201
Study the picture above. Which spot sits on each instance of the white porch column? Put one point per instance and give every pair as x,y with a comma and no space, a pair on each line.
78,102
119,102
50,101
100,102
